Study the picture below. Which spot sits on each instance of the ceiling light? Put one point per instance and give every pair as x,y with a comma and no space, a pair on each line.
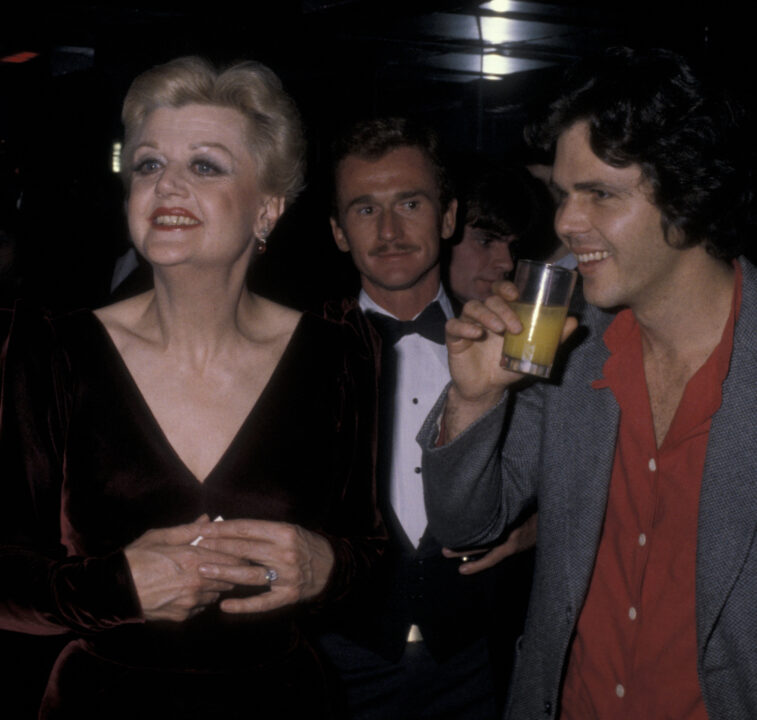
495,64
497,6
115,157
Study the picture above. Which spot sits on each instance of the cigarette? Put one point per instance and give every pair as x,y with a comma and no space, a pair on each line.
199,537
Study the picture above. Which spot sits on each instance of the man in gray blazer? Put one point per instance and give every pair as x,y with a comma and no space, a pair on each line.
643,460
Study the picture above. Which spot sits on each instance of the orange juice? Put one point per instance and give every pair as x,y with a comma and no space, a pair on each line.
533,349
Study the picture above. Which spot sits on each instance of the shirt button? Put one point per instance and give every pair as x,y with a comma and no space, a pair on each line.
620,691
415,401
417,470
632,613
652,464
642,539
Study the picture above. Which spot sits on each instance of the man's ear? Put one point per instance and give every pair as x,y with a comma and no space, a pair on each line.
448,219
339,237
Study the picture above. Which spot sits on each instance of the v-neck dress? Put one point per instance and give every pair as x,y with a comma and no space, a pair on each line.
85,469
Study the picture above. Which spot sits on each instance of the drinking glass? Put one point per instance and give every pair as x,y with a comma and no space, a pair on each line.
542,305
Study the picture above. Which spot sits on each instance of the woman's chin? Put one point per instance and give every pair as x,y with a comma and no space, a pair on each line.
167,254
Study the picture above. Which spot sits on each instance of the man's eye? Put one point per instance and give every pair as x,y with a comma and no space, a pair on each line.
600,194
412,204
147,166
366,210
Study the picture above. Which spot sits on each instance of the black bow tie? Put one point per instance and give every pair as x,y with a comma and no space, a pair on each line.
429,324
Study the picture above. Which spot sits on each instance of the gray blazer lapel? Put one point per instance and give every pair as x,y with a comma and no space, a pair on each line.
588,501
728,498
584,451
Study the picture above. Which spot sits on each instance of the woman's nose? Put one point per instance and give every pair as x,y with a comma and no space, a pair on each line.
171,182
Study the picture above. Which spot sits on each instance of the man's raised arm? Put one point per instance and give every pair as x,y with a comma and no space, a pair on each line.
474,344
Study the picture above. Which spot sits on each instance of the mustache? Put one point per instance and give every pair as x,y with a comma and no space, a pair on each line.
391,249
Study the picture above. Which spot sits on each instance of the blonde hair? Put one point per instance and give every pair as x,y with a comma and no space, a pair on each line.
276,138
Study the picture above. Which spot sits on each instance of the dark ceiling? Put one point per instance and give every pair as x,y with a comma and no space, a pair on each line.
477,67
476,70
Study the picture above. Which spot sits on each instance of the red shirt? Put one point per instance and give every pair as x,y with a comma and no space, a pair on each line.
635,653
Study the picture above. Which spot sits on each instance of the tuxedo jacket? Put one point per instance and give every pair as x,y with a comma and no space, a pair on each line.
559,448
420,586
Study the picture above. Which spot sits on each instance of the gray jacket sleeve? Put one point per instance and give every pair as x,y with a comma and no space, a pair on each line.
468,501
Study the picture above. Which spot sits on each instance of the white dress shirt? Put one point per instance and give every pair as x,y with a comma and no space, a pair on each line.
422,374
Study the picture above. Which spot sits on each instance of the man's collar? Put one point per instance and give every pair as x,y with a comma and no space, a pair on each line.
368,304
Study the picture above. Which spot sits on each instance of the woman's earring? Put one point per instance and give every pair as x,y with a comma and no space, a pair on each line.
261,241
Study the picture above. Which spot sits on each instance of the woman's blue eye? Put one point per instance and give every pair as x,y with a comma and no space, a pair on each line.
203,167
146,166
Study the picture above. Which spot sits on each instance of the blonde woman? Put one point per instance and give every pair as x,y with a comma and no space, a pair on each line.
126,431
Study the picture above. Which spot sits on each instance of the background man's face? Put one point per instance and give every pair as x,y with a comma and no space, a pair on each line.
478,260
390,219
607,218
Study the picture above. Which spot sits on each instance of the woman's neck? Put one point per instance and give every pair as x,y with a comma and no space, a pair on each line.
196,315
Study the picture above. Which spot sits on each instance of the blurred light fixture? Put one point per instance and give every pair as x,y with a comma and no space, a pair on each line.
518,6
488,65
115,157
497,30
497,6
494,65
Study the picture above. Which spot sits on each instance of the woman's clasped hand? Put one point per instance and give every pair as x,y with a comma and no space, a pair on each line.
302,562
176,578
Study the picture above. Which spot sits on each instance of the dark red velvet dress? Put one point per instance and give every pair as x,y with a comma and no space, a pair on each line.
85,470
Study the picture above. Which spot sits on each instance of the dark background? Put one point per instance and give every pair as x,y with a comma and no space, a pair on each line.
61,204
340,59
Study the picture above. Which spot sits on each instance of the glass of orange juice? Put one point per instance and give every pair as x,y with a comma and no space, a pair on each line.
542,305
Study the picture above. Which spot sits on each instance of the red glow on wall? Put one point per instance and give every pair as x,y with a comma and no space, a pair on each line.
21,57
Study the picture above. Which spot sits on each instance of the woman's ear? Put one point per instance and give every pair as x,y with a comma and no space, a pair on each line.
270,212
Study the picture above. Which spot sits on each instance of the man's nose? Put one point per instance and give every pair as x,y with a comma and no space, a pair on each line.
501,257
388,226
571,218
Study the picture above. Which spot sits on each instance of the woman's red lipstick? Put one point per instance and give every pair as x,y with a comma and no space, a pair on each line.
175,218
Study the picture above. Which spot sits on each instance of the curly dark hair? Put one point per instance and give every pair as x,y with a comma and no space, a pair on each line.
647,107
506,200
372,139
